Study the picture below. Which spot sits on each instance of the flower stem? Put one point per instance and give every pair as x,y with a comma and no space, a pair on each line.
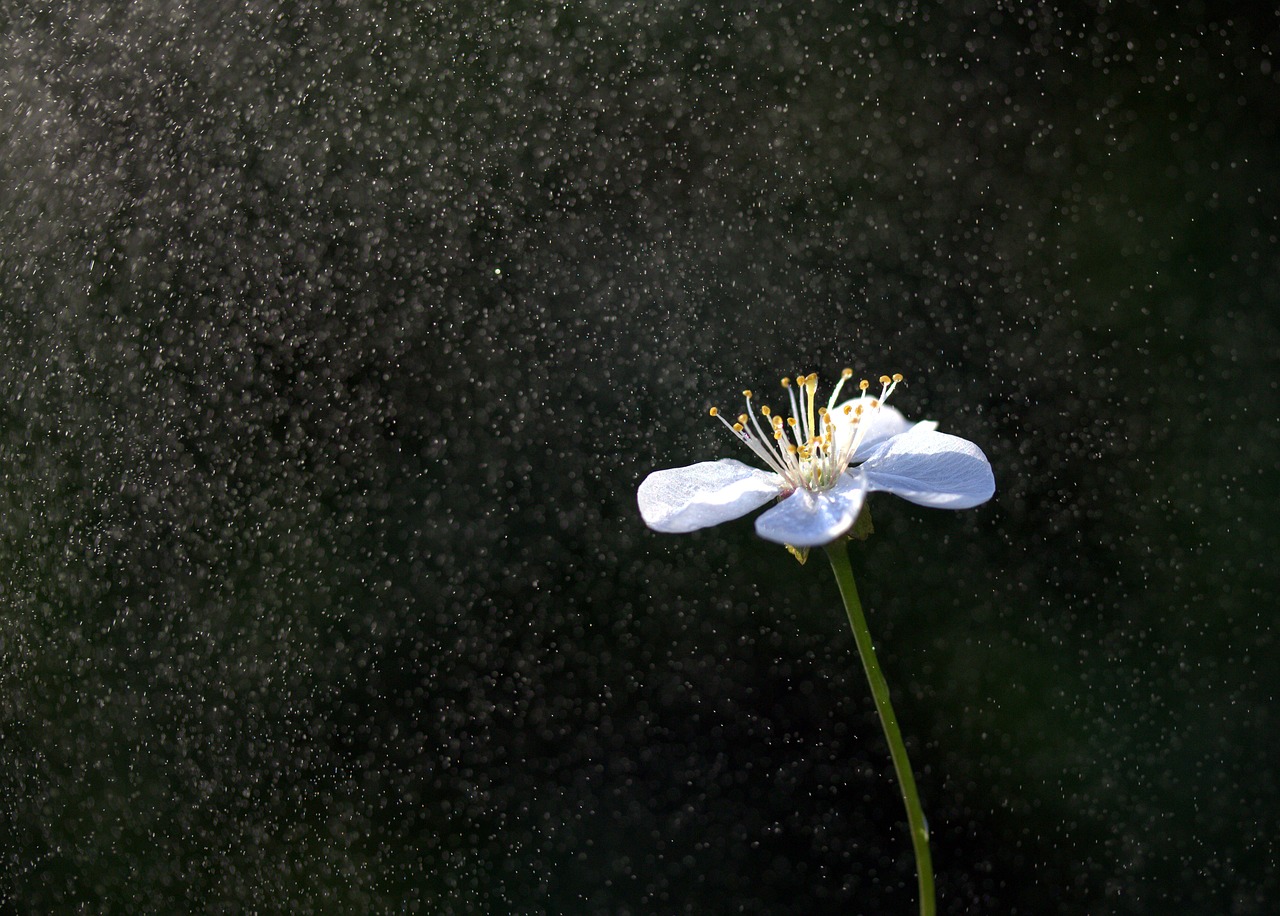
839,558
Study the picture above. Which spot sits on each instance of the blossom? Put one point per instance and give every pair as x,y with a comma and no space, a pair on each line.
822,462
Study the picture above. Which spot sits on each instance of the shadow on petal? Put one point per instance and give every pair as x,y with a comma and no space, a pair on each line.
806,519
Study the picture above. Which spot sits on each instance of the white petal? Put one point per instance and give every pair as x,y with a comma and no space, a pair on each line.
806,519
931,469
881,425
685,499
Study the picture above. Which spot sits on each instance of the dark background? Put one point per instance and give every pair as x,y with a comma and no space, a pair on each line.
334,341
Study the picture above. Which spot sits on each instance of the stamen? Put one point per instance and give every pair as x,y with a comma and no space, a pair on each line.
734,428
758,445
772,458
809,449
845,375
797,433
791,394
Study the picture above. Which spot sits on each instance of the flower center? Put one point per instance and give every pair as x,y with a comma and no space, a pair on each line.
813,446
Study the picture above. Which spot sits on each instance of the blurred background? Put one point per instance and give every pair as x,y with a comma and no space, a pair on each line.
335,338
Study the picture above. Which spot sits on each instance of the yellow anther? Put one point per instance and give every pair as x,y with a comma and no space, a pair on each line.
743,418
765,411
848,409
846,373
897,376
791,449
884,380
746,393
822,411
737,427
714,411
786,383
875,402
777,435
864,384
812,381
791,421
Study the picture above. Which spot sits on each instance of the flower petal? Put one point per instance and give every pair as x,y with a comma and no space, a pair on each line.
806,519
881,425
930,469
679,500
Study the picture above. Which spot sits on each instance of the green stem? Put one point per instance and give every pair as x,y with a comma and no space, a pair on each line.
839,558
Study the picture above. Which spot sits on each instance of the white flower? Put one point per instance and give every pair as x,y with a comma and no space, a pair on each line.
822,463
